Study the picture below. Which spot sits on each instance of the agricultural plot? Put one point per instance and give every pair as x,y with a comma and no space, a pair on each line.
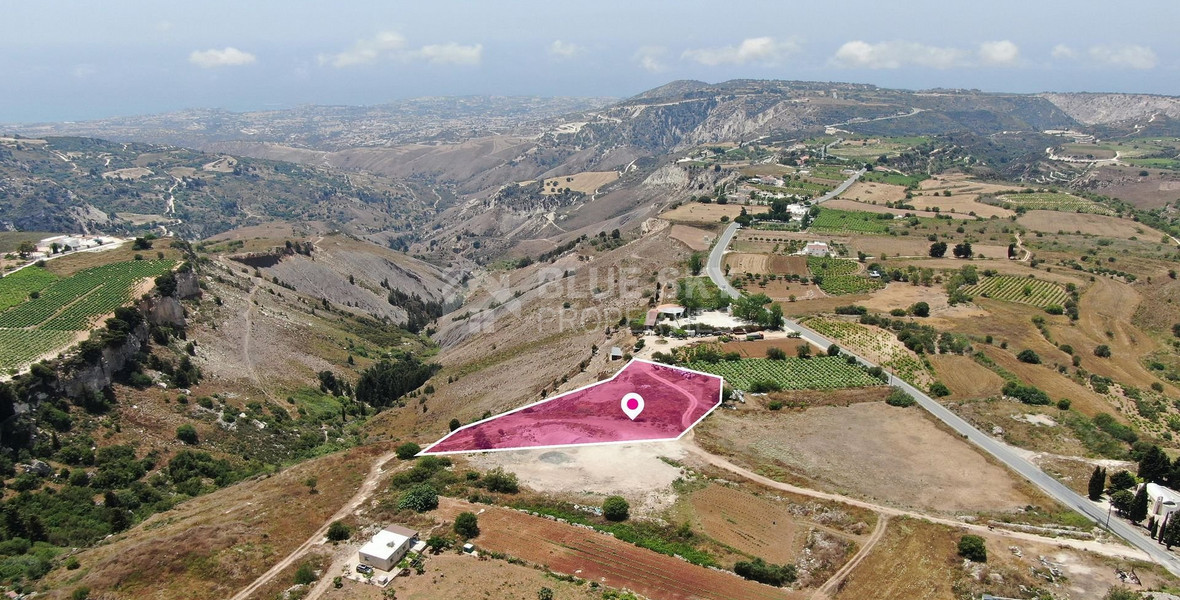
847,221
67,306
894,178
1054,201
817,373
1034,292
15,288
873,343
839,276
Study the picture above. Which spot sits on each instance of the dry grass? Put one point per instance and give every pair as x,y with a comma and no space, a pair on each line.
966,378
211,546
697,212
875,192
586,182
741,262
846,449
131,173
1051,221
694,238
459,576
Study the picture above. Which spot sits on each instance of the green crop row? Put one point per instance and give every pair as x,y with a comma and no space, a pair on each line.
19,347
15,288
849,221
818,373
71,304
1035,292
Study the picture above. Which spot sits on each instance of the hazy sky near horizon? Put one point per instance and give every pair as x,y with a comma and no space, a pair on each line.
73,60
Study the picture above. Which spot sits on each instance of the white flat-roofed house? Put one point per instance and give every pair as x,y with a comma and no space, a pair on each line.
1161,502
816,249
388,547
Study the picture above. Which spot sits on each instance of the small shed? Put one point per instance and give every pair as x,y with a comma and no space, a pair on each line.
388,547
672,310
616,353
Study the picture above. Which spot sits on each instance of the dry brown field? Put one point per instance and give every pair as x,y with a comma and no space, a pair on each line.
1051,221
598,557
965,377
747,523
694,238
697,212
875,192
586,182
845,449
463,577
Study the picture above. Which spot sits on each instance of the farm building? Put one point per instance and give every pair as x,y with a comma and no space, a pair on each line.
670,310
816,249
1161,502
388,547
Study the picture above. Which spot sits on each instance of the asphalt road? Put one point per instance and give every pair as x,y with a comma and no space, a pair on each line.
1055,489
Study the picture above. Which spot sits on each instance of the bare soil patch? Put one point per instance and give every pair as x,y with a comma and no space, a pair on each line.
694,238
959,204
788,265
747,523
875,192
130,173
904,295
456,576
744,262
847,450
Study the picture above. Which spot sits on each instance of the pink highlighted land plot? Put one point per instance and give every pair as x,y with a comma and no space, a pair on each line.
673,401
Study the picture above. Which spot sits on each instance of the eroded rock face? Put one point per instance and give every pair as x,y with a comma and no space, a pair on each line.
74,380
187,285
163,311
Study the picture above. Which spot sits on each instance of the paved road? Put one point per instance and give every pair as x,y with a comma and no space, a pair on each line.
1134,535
840,188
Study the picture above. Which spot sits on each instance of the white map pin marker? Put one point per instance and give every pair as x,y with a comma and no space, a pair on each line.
632,405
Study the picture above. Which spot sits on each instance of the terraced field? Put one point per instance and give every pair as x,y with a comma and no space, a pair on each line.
873,343
1023,290
817,373
1054,201
840,276
42,325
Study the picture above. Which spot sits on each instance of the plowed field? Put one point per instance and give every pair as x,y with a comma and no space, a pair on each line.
598,557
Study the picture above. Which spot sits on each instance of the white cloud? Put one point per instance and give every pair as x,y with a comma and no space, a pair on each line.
999,54
651,58
896,54
85,71
1061,51
562,49
1130,56
391,45
449,54
226,57
366,50
759,49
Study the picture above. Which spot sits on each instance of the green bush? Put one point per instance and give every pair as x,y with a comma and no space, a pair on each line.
304,574
938,389
419,498
899,398
1028,356
338,531
1102,351
616,508
972,548
764,572
775,353
501,481
408,450
466,525
187,434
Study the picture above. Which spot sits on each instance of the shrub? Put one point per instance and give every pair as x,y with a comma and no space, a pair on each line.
408,450
833,350
466,525
338,531
775,353
499,480
616,508
763,386
972,548
920,309
803,350
304,574
1028,356
938,389
1102,351
81,593
419,498
764,572
1063,404
187,434
775,405
899,398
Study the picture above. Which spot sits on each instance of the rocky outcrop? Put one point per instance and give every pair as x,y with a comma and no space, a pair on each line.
187,285
1099,109
75,378
163,311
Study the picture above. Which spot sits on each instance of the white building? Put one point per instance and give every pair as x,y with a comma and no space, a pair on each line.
816,249
388,547
1161,502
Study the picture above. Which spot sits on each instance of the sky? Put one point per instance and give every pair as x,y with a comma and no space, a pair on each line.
75,60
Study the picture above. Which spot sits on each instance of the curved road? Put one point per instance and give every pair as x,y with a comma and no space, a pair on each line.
1055,489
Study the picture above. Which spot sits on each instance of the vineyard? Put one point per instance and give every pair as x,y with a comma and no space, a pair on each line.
839,276
873,343
15,288
849,221
1054,201
1034,292
65,306
818,373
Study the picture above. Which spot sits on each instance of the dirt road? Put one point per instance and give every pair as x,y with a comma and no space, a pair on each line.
368,486
830,586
